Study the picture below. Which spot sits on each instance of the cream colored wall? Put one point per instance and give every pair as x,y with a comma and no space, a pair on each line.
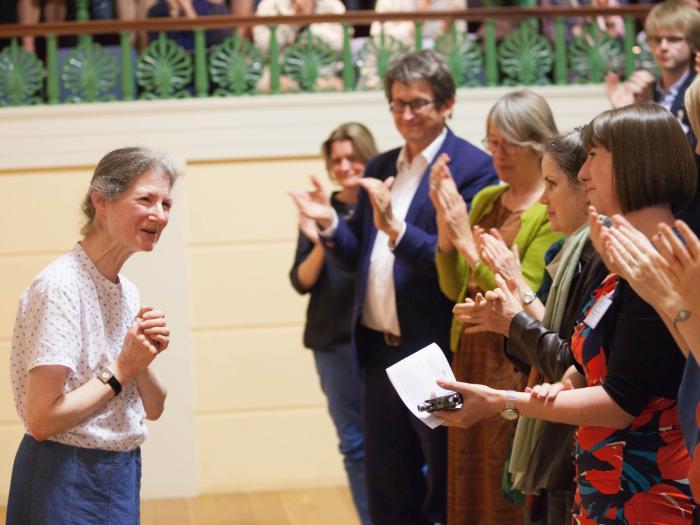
244,411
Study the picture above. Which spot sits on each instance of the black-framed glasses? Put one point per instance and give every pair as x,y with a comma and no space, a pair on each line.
417,105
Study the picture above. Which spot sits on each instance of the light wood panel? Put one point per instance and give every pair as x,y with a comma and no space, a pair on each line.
8,414
324,506
43,214
253,361
245,201
238,286
15,275
267,449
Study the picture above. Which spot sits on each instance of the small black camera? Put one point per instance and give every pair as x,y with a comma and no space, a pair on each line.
449,402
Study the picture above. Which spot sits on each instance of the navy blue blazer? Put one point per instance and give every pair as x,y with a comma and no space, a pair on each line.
678,109
424,313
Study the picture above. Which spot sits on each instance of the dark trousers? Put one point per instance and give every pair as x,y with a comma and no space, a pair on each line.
405,461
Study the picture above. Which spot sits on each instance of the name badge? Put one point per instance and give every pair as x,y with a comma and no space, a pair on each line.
598,311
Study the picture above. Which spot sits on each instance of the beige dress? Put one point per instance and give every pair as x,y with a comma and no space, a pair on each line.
476,455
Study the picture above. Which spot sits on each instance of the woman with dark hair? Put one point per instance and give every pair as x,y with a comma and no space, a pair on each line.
538,335
631,462
81,350
666,274
329,314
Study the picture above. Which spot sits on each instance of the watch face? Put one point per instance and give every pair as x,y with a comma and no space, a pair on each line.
529,298
105,375
509,413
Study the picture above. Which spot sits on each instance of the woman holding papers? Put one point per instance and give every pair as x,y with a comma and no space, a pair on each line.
631,462
541,459
517,128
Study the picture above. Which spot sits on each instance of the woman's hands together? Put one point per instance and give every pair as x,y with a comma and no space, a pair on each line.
499,258
148,336
492,311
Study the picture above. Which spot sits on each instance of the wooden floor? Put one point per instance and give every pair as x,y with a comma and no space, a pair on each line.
331,506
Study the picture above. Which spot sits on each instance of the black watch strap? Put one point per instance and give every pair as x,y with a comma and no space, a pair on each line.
107,377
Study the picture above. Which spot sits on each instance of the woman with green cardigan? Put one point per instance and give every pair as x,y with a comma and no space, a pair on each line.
517,127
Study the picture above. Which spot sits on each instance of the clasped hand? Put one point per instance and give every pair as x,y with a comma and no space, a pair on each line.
492,311
148,336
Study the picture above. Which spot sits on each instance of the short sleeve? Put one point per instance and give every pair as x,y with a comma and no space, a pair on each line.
644,361
48,326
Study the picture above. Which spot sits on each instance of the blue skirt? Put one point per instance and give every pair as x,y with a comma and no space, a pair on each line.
56,484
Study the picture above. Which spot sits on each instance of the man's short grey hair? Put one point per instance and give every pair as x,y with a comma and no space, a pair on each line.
426,65
115,172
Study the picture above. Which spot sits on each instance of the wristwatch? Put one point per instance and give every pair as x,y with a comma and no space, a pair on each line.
105,375
528,298
682,315
510,412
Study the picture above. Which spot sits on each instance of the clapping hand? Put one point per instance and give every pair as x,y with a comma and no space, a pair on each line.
639,87
598,233
314,204
451,208
492,312
379,193
634,258
499,258
683,262
309,229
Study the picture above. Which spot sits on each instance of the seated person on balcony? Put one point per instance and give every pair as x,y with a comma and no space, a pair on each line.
30,12
190,9
670,29
331,34
405,30
614,26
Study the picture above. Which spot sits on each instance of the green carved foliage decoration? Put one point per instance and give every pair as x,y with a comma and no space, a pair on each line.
89,73
374,58
21,74
235,66
309,59
645,60
463,56
593,54
164,70
525,56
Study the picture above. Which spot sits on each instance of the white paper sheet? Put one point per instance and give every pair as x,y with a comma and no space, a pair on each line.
414,379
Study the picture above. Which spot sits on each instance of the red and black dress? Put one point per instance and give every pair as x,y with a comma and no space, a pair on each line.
637,474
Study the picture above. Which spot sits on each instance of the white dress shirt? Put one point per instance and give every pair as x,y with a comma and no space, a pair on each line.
668,97
379,308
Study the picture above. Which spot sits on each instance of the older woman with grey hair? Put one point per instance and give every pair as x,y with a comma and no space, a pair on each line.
81,350
517,127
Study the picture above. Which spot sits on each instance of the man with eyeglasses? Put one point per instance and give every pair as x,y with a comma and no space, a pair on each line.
671,28
399,308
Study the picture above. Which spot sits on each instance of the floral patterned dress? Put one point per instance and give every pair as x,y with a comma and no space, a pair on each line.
637,474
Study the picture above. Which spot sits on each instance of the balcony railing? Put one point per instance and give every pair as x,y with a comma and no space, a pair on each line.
91,72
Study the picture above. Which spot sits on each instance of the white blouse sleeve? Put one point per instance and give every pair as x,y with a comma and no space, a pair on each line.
48,326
